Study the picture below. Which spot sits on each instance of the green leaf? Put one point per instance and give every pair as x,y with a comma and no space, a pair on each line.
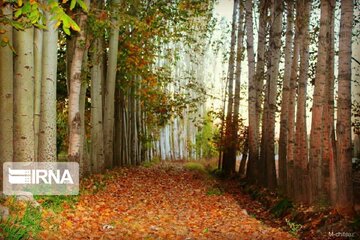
17,25
72,4
66,30
82,5
18,13
26,8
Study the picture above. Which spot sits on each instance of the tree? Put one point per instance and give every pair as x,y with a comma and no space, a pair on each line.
252,91
285,97
74,120
24,96
109,90
236,118
344,201
301,182
319,100
38,52
97,77
330,128
6,92
267,154
228,164
291,102
47,133
255,168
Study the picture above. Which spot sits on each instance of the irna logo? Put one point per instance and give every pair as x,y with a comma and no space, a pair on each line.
38,176
41,178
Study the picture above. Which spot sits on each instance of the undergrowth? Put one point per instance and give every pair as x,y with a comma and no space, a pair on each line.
25,226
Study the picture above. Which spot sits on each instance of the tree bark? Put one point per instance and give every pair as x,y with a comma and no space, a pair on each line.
319,100
38,52
344,203
331,102
226,161
24,96
97,137
75,137
110,88
268,134
47,128
283,138
291,103
301,183
6,95
255,168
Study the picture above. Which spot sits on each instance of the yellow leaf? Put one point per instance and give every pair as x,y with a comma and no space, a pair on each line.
20,2
68,223
5,39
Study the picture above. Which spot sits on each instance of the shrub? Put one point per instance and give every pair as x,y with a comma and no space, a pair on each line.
281,207
194,166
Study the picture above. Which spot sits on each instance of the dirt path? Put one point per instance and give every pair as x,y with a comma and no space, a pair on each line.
162,202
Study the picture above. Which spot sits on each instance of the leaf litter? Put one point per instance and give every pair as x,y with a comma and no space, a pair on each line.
165,201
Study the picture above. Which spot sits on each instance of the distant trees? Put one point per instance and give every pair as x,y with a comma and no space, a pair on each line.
309,174
104,62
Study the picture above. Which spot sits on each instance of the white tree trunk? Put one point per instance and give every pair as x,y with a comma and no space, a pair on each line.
110,88
97,143
47,133
6,96
38,50
24,144
75,137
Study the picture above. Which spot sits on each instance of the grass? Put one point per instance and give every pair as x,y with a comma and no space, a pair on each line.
151,163
194,166
294,227
55,202
19,227
216,191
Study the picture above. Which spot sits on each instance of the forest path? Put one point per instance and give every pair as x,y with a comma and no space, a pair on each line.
161,202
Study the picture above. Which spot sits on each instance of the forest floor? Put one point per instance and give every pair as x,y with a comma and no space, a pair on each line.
165,201
174,200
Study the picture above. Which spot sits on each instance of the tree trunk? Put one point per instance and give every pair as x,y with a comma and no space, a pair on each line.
38,52
254,166
110,88
24,96
319,100
75,137
291,104
6,96
268,134
301,183
228,141
330,120
47,128
97,138
235,119
344,203
285,98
